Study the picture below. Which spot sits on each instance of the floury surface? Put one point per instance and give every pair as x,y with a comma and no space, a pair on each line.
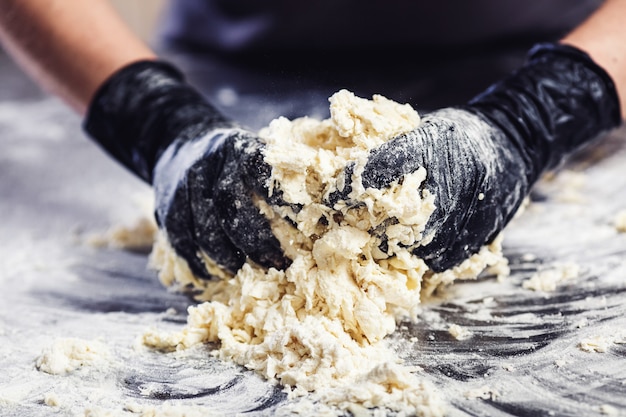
524,355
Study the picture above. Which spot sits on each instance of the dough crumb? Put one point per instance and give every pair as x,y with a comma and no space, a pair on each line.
609,410
529,257
458,332
51,399
67,355
548,279
619,221
560,363
599,344
584,322
138,236
508,367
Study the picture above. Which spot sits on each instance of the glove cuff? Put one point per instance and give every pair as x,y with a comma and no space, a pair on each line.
602,92
557,102
143,108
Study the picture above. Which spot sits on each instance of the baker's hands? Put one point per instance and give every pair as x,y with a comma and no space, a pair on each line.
482,158
479,180
206,170
204,192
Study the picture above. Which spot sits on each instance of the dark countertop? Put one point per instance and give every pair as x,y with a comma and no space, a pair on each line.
57,188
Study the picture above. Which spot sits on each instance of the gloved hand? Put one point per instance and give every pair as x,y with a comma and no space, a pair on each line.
205,169
482,158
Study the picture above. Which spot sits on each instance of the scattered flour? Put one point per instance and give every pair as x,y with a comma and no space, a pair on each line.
67,355
485,393
15,393
162,410
319,326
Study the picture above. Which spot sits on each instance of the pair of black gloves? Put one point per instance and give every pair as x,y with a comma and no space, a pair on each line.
481,158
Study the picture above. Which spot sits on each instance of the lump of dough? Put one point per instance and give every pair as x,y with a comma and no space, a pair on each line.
69,354
319,326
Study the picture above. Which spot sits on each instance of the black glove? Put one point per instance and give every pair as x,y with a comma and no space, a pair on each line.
205,169
482,158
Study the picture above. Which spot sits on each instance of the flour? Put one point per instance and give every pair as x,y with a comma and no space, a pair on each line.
164,410
319,326
484,392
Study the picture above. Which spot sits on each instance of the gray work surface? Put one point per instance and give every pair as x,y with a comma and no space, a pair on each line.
57,188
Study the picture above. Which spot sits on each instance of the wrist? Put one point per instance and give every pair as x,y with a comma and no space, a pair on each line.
142,109
557,102
600,37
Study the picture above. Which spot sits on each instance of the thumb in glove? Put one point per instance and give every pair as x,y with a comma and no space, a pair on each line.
482,158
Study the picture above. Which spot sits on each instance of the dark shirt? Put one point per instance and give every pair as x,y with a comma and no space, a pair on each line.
242,26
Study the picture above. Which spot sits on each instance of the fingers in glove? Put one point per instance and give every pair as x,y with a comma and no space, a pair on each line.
387,163
342,193
473,175
479,182
174,216
400,156
255,172
183,184
208,232
243,223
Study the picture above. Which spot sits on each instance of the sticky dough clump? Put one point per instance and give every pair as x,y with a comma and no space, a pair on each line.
319,326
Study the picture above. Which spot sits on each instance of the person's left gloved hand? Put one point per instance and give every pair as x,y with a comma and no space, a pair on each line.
482,158
206,170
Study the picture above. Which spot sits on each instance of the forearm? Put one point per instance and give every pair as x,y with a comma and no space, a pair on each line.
602,37
69,47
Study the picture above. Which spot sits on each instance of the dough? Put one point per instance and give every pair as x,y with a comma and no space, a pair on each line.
598,344
69,354
548,279
319,326
135,237
458,332
619,221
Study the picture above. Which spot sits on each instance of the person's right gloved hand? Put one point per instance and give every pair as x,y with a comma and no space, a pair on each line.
483,157
206,170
